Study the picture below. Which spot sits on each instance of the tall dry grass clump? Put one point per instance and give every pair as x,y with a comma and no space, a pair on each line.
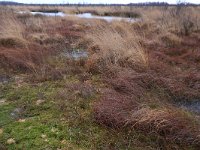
10,27
116,44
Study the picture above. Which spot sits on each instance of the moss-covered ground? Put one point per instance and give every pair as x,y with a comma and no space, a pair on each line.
50,115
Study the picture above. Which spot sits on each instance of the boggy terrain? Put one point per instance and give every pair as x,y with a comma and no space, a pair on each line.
72,83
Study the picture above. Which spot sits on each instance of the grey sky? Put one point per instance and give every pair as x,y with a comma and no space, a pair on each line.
99,1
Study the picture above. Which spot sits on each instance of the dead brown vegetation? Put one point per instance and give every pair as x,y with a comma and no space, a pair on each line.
125,105
167,73
148,66
27,41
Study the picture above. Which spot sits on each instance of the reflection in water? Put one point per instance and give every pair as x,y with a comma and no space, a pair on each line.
107,18
84,15
60,14
49,14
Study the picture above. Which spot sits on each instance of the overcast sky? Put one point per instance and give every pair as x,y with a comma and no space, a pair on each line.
99,1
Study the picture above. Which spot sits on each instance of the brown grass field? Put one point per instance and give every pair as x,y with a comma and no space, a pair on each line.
145,69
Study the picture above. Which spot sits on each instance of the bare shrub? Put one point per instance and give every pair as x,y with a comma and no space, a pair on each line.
186,19
182,19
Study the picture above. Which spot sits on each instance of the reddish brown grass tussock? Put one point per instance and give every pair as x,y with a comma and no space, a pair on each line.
21,58
124,105
121,111
116,110
113,109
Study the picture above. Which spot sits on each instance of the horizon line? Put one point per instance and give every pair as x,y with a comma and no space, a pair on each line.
86,3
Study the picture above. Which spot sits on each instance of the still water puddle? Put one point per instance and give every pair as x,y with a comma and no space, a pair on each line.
107,18
83,15
76,54
49,14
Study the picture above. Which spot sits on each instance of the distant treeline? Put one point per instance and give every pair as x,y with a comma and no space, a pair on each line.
86,4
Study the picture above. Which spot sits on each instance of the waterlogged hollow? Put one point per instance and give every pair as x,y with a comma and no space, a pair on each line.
193,106
75,54
16,113
4,79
